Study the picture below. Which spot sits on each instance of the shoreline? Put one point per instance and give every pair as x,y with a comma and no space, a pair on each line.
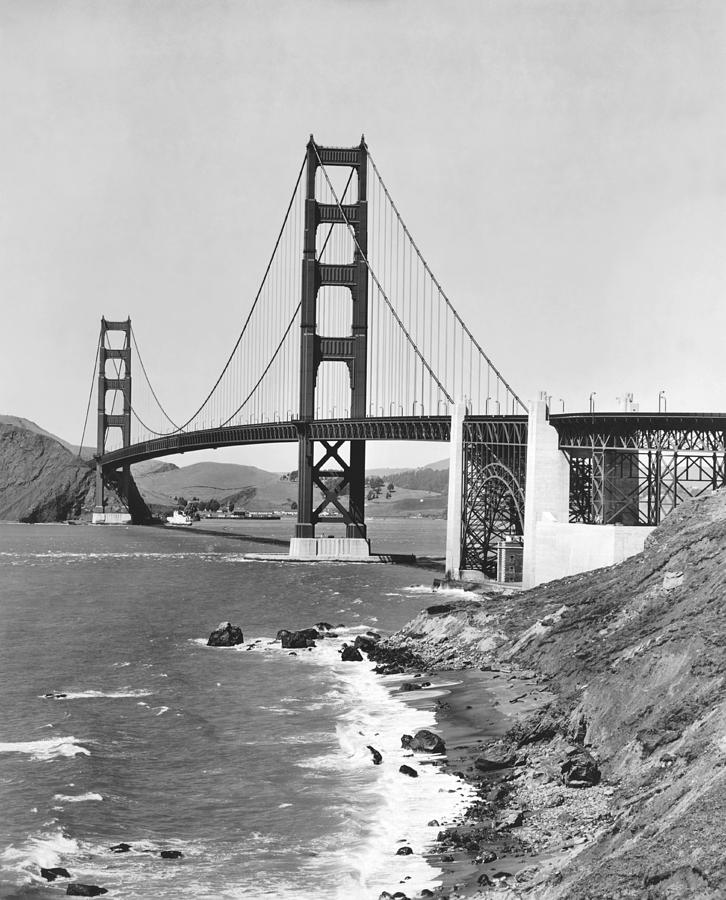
525,823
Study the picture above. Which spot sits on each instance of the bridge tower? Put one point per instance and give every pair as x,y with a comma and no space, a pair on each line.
350,349
121,420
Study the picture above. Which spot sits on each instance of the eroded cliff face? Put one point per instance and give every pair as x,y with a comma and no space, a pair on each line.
40,480
636,656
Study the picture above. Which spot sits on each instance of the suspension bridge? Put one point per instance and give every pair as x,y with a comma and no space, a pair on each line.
351,338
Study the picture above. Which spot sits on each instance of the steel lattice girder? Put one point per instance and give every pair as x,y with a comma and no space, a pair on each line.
645,484
494,473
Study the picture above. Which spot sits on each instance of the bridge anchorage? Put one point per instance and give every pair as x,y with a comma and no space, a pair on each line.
363,344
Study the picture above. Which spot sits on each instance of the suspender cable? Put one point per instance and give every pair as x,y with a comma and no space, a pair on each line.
441,290
249,315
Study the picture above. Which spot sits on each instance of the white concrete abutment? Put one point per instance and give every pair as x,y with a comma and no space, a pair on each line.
553,546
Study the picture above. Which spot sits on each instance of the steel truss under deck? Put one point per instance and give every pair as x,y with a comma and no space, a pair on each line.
633,469
494,471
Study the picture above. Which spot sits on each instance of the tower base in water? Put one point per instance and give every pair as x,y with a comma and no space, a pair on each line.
311,548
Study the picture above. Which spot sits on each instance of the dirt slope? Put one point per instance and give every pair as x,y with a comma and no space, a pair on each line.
636,655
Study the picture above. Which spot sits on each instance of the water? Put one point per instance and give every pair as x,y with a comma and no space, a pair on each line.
251,761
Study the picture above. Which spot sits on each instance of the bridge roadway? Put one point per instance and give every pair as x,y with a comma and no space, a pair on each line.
704,432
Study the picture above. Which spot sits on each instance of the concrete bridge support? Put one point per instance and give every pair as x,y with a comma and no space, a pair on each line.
455,506
548,485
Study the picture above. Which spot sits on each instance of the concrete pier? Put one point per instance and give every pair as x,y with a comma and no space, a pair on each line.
547,495
456,492
329,548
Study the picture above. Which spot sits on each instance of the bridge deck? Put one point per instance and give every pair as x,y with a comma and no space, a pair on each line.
627,431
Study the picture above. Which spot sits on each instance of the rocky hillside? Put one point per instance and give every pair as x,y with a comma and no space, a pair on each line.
636,658
42,481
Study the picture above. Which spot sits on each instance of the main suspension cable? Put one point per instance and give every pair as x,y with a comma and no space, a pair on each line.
440,289
90,398
179,428
378,284
153,392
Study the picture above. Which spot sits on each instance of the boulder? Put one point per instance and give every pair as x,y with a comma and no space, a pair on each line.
492,764
424,741
580,769
377,757
85,890
350,654
296,639
56,872
414,685
120,848
226,635
404,851
407,770
364,643
171,854
540,726
323,626
511,819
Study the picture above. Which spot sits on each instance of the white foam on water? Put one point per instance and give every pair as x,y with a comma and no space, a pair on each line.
78,798
401,807
162,709
52,748
92,695
46,849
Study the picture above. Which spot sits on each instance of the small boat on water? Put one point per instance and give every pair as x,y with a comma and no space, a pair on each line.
178,519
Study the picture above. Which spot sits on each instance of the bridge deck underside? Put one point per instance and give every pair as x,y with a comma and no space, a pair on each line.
413,428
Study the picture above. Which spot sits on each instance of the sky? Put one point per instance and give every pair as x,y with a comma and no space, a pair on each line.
561,164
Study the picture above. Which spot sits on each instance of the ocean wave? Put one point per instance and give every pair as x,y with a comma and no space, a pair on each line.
52,748
78,798
91,695
45,849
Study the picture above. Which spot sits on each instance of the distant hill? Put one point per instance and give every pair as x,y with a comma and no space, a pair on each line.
439,464
254,488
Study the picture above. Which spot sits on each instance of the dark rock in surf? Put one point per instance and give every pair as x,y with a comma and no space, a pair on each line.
171,854
414,685
323,626
85,890
404,851
350,654
227,635
364,643
407,770
56,872
424,741
120,848
293,640
377,757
